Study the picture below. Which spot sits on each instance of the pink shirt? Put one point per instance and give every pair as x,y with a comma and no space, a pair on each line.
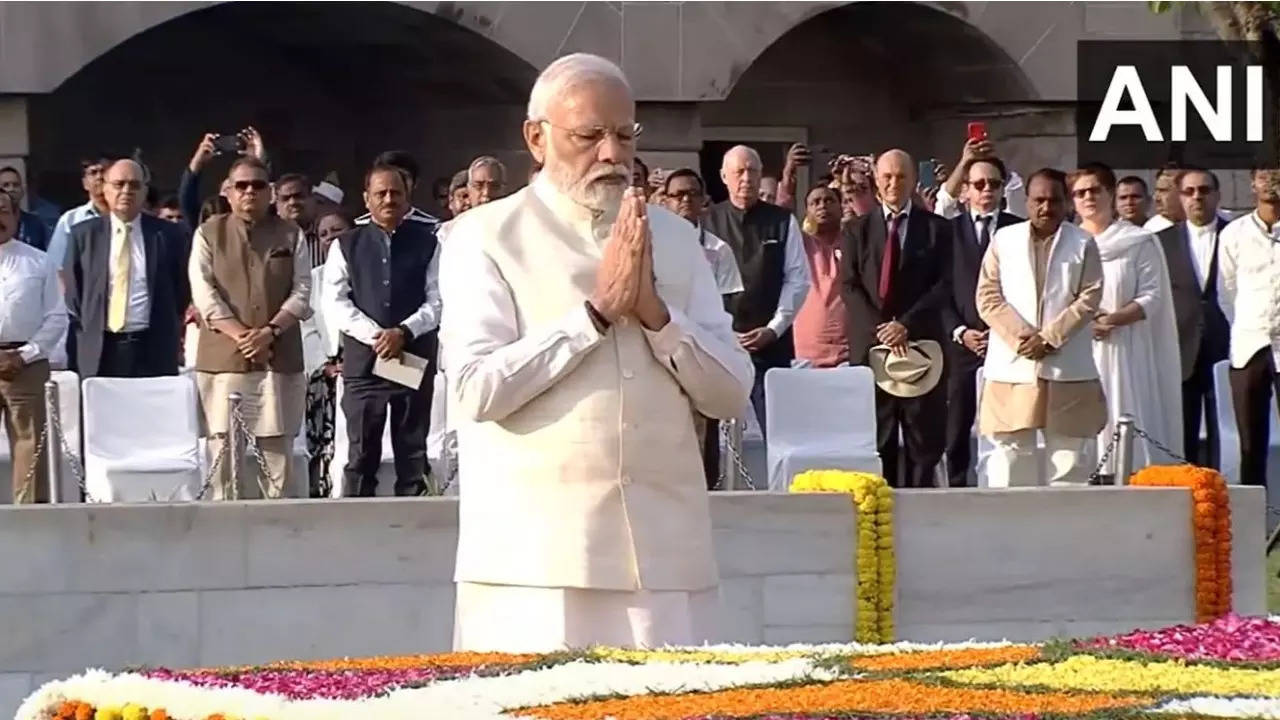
819,330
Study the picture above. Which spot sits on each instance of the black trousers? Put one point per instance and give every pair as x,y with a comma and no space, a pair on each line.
711,453
962,406
132,355
1198,398
365,401
1252,387
923,421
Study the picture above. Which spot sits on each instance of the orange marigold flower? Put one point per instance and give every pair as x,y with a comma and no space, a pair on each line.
869,696
84,711
159,715
931,659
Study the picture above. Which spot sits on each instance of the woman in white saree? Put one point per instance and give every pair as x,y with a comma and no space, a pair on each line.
1135,337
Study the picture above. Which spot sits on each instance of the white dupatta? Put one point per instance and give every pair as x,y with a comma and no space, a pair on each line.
1139,363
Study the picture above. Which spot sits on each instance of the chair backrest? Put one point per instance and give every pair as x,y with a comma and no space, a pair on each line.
69,407
140,412
827,405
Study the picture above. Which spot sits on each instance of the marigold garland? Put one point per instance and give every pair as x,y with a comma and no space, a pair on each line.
1211,526
875,560
1095,674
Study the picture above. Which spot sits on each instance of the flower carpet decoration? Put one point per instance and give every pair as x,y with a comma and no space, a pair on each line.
1229,668
1211,526
874,558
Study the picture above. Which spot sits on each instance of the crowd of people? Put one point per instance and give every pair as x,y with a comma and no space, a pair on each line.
1043,310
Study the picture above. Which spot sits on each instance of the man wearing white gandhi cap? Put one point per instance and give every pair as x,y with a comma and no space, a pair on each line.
583,331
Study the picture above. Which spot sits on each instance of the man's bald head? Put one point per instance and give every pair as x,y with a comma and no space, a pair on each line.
581,129
125,187
895,178
740,172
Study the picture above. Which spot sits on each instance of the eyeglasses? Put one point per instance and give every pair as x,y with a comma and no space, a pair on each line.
1194,190
685,195
122,184
1084,192
243,185
982,184
292,196
592,136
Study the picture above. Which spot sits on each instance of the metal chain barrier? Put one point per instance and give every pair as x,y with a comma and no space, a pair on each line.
1096,476
35,459
237,425
731,448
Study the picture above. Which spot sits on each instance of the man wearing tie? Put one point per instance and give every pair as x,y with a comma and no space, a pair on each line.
896,272
1204,337
126,285
984,181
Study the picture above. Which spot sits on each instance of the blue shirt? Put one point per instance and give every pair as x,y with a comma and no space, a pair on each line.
62,231
32,231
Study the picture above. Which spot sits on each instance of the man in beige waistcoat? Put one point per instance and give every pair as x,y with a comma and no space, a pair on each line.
582,329
1038,290
251,282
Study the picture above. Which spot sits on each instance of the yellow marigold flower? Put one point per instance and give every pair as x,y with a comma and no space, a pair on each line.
134,712
107,713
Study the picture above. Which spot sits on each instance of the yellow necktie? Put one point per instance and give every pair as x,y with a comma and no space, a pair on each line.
118,303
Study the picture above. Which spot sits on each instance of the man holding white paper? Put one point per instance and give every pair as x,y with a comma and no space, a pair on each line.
381,293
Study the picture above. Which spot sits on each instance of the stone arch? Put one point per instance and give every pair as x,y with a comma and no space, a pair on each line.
329,87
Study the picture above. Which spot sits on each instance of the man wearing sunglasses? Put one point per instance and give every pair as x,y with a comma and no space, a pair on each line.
1204,337
984,182
251,283
126,285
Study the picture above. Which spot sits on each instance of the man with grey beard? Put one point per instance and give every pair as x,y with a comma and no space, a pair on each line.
583,331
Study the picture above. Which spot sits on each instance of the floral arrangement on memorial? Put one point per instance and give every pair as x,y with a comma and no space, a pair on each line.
1227,668
1211,530
874,557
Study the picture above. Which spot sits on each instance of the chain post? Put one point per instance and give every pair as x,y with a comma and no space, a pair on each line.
732,476
234,401
1124,450
53,426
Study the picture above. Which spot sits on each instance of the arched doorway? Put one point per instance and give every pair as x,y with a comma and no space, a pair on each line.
328,84
861,78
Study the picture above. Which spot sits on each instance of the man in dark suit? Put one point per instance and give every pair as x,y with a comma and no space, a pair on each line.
896,275
126,285
984,181
1191,252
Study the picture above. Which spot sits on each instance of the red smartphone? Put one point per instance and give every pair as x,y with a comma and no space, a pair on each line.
977,131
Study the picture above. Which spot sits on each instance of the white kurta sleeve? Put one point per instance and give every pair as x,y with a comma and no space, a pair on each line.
335,298
1228,264
493,368
1148,261
699,348
795,282
205,294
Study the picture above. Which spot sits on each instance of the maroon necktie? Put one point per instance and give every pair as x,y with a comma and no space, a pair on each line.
889,265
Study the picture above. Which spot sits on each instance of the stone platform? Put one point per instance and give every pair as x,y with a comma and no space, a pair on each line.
233,583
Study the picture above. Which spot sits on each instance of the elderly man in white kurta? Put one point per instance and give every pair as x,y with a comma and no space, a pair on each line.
581,329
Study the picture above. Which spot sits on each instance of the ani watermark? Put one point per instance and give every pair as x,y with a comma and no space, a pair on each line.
1205,103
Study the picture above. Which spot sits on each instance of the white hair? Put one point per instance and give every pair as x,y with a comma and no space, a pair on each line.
567,72
747,150
487,161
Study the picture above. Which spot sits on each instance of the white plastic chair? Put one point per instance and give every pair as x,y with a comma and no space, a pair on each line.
819,419
1228,434
141,439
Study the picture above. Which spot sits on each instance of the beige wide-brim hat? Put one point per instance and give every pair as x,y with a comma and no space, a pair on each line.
911,375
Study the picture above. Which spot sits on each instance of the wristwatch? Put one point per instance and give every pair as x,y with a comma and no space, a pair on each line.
408,336
275,330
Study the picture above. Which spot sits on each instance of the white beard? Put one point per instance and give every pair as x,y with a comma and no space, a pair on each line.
597,194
